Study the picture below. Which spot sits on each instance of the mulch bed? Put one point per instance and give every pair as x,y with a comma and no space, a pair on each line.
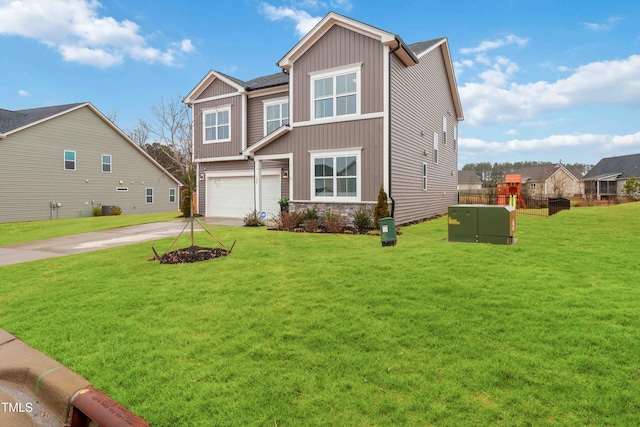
192,254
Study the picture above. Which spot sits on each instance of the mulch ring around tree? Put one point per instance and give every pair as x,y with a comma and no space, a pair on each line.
190,254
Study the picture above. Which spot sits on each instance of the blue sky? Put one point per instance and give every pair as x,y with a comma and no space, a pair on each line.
538,80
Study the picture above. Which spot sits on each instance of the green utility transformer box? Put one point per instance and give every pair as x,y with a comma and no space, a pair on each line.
482,224
388,231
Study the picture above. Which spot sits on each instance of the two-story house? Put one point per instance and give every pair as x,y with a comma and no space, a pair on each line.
353,109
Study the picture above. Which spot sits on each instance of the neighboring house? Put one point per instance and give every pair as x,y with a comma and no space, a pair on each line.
469,181
555,180
63,161
606,179
354,109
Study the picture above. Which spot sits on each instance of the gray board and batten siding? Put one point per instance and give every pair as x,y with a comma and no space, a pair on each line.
420,98
35,175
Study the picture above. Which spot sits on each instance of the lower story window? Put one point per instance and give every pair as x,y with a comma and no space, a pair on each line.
336,176
149,195
172,195
424,176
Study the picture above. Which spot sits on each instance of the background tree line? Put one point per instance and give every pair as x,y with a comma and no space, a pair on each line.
494,173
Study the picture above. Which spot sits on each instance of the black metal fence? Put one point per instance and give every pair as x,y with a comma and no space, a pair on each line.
525,205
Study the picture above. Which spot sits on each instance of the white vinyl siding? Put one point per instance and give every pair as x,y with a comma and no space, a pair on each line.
217,125
69,160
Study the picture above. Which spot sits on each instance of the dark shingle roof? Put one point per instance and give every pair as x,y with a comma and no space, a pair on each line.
420,47
271,80
626,166
12,120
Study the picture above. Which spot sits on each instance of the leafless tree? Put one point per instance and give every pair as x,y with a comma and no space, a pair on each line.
138,134
170,126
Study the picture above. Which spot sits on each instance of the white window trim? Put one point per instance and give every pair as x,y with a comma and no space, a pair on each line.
64,160
204,123
272,102
333,72
435,148
102,163
336,153
174,195
425,173
444,130
146,195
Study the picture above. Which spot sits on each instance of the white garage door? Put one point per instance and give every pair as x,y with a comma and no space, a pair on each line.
232,196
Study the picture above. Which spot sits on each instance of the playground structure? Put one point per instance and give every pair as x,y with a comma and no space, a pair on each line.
509,193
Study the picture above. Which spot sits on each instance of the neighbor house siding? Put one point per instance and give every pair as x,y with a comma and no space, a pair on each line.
218,149
217,88
32,173
352,134
255,114
340,47
421,97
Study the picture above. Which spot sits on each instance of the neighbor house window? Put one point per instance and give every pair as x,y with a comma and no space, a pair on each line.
335,94
435,147
106,163
217,125
276,114
533,187
172,195
69,160
424,176
444,130
336,176
149,195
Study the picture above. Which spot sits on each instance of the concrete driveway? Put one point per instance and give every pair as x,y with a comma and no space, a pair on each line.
86,242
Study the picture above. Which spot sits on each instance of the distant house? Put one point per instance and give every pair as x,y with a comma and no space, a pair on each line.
64,161
606,179
551,180
469,181
354,108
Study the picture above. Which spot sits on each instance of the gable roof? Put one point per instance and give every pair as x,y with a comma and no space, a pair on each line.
262,82
543,172
405,54
16,121
468,177
13,121
622,166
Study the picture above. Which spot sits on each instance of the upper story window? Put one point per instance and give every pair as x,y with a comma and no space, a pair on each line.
106,163
424,176
276,114
435,147
455,138
336,93
217,124
69,160
444,130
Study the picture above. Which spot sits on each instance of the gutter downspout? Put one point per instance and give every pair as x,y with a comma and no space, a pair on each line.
393,202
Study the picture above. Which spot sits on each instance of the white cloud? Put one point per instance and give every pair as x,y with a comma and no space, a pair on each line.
23,92
511,132
496,100
470,147
304,22
607,25
77,31
494,44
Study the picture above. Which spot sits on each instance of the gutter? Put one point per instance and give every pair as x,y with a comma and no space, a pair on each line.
393,202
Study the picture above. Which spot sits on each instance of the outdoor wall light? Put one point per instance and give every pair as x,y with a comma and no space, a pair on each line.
285,174
121,182
86,180
201,177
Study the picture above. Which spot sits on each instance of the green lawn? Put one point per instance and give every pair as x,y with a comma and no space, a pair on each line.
18,232
307,329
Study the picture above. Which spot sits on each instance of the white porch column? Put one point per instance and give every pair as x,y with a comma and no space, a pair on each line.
257,174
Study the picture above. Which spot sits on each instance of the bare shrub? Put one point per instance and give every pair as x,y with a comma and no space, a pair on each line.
333,222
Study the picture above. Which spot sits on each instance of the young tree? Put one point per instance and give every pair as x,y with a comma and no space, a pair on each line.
631,189
382,208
